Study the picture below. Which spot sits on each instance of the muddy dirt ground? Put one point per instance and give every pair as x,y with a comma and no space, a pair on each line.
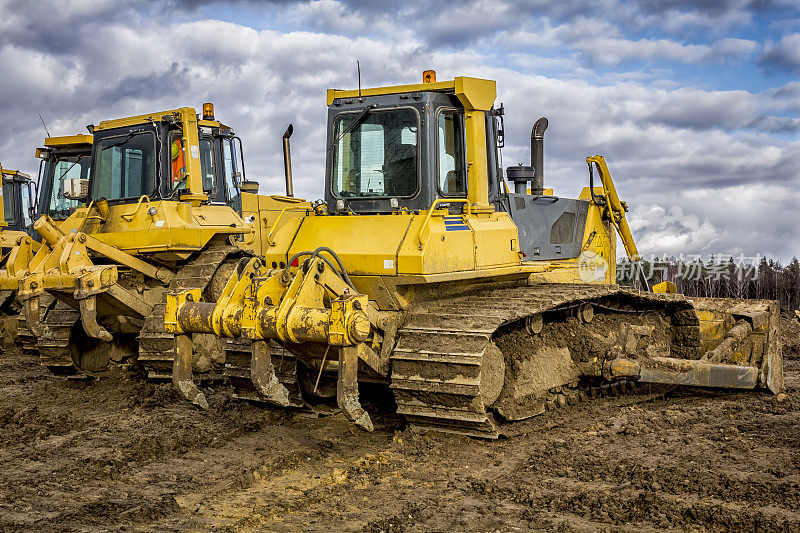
123,455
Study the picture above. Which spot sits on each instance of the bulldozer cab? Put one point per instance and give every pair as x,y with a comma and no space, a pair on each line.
18,197
64,161
166,156
405,147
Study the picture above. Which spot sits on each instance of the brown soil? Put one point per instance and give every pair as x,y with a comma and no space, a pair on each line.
123,455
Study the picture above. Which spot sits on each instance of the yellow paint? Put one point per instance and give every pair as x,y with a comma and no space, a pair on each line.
80,140
479,93
615,209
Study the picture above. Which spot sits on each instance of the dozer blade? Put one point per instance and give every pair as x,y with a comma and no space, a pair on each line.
743,334
740,344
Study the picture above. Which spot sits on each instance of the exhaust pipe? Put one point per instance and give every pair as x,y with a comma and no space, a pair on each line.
287,161
537,156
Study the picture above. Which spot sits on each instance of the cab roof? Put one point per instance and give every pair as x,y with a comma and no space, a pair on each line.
15,174
68,140
156,117
474,93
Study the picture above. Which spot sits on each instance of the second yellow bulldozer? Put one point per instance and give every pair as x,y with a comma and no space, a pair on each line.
475,302
154,202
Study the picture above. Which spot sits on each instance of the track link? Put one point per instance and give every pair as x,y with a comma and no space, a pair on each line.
54,345
24,337
441,368
156,346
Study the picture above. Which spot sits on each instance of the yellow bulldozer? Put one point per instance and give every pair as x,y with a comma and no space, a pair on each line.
60,157
474,301
16,210
156,203
17,204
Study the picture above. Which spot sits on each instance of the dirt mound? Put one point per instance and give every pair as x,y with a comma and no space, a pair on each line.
789,331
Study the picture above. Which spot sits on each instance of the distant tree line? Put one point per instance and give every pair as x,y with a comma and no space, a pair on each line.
755,277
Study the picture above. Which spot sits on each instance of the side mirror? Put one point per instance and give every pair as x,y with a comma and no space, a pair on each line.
75,188
249,186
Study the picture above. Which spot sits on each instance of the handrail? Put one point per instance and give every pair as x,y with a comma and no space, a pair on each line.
129,216
89,216
431,210
270,242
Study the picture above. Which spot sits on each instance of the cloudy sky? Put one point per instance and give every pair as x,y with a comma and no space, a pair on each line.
694,103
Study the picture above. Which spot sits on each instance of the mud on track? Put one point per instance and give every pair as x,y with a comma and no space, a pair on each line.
123,455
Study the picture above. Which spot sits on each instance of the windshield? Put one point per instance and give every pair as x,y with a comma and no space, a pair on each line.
66,168
378,157
125,166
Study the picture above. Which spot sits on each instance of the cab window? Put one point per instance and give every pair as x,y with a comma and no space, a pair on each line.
8,202
207,164
177,162
25,190
65,168
377,156
451,146
125,166
231,173
179,169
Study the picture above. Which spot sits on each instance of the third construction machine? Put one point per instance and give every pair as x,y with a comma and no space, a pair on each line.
473,302
15,219
61,159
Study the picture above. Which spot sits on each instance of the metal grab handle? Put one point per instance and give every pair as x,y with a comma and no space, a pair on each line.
129,216
553,199
275,224
431,210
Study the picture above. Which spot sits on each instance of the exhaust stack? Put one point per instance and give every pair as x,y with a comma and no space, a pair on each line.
537,156
287,161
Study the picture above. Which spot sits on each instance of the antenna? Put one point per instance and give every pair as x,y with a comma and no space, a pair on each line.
358,66
43,124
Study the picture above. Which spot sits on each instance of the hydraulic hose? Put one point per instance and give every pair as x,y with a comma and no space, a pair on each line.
340,270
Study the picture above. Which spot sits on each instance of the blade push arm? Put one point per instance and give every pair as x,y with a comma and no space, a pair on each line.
615,210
